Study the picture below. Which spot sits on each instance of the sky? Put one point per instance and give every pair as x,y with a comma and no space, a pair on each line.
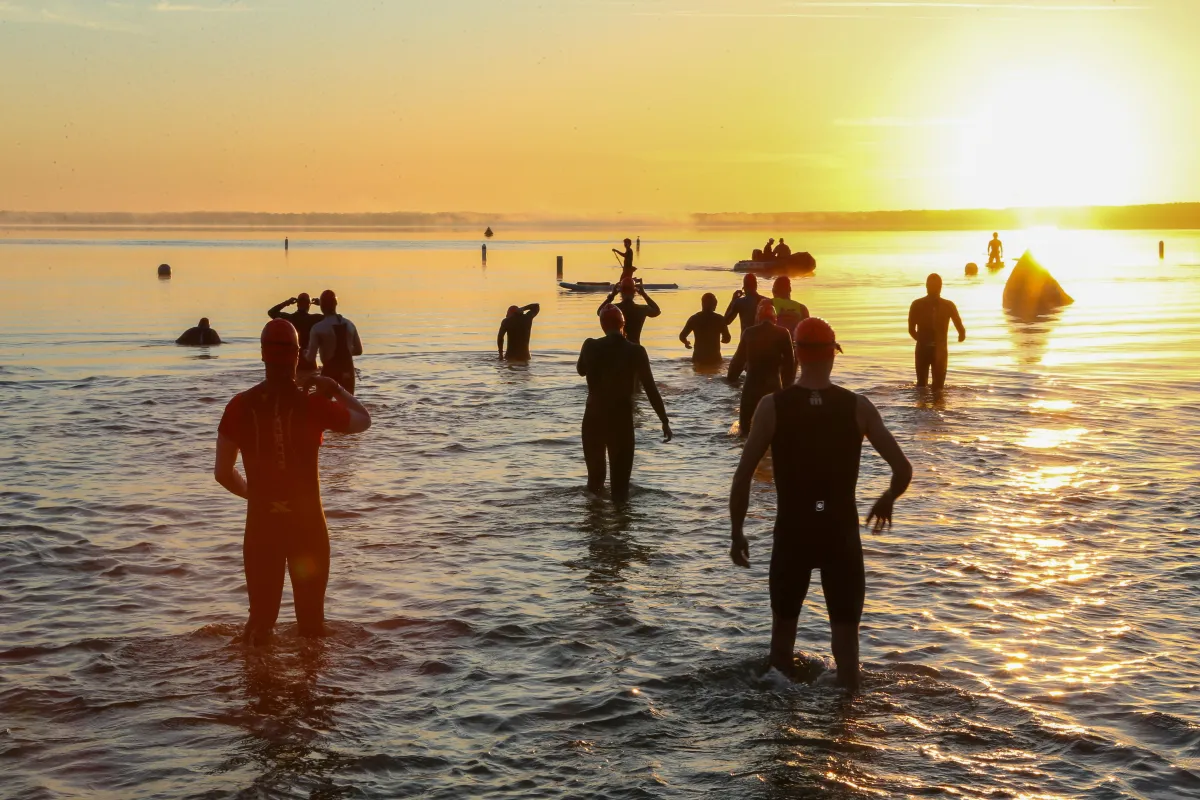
577,107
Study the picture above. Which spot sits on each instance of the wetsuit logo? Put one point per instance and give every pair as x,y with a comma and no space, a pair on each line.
814,399
820,505
280,507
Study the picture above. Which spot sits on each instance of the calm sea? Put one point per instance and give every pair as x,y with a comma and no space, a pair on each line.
1031,627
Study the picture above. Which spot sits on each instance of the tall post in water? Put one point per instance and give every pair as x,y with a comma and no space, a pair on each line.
1162,248
485,254
559,268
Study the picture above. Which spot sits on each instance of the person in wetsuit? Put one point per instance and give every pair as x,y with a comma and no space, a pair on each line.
277,427
995,251
788,312
518,325
744,305
765,352
199,336
627,267
929,319
815,431
635,315
710,330
336,339
782,251
613,366
302,321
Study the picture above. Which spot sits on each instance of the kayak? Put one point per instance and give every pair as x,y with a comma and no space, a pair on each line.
607,286
795,263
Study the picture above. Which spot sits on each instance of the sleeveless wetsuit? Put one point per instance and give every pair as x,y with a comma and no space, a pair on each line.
518,327
816,452
766,354
341,366
278,431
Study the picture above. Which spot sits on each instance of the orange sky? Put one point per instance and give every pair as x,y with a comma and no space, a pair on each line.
596,106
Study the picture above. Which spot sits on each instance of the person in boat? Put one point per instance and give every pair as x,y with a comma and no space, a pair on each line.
815,431
995,250
518,325
710,329
336,339
626,255
782,251
200,335
765,352
788,312
634,314
929,319
768,251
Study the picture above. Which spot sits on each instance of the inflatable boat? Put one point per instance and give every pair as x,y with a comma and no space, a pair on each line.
795,264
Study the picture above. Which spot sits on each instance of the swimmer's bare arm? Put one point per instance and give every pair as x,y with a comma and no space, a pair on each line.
957,320
356,348
608,300
726,337
871,424
225,468
652,309
762,430
912,320
532,310
500,338
687,330
647,379
360,418
731,312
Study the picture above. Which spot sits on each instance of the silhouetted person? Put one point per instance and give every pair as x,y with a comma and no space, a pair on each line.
789,313
200,335
995,250
277,427
782,251
744,304
285,243
635,315
517,325
336,339
626,255
613,367
710,330
815,431
639,244
929,319
302,321
768,250
765,352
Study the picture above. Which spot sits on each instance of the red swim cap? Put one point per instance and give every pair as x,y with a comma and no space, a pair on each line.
328,297
782,286
513,310
815,341
750,281
280,342
766,310
611,319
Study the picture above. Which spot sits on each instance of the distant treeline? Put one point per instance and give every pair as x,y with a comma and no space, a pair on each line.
1167,216
408,220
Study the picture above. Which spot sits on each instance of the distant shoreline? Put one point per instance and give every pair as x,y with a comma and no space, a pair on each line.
1163,216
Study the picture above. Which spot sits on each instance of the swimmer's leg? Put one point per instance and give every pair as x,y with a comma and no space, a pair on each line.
788,581
922,358
843,581
308,566
620,456
263,558
594,441
940,358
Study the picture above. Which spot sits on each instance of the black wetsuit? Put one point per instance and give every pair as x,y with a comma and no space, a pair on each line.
745,307
709,327
635,317
816,453
766,354
303,323
613,366
278,430
341,366
196,337
518,327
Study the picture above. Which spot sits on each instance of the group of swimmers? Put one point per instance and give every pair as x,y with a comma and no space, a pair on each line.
814,428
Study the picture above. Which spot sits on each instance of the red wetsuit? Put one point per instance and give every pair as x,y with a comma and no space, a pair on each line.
279,431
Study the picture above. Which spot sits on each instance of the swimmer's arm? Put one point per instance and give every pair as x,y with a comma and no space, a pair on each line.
533,309
787,365
608,300
647,379
225,468
912,320
871,423
738,362
804,311
726,337
652,309
275,312
687,330
356,350
360,418
762,429
581,366
958,323
314,342
500,339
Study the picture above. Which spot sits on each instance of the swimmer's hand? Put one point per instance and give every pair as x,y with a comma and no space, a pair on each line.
667,432
962,337
687,344
739,550
738,294
291,302
881,512
326,387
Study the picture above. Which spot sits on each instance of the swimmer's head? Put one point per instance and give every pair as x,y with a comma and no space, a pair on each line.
782,286
765,311
328,302
303,302
204,322
995,236
611,319
709,301
512,310
750,283
781,240
815,341
933,285
628,289
772,239
280,343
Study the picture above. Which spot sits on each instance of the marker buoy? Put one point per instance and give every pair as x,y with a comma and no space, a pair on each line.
972,268
164,270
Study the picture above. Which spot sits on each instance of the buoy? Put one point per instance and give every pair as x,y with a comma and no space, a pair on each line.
164,270
1162,248
488,233
972,268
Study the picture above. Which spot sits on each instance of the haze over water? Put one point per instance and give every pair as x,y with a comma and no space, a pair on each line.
1030,625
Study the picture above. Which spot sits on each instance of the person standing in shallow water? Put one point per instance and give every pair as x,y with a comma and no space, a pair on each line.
336,339
518,326
303,322
710,330
765,353
634,314
277,427
202,334
614,366
929,319
815,431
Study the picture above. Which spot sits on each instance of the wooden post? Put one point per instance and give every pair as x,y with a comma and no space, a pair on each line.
1161,248
560,268
485,254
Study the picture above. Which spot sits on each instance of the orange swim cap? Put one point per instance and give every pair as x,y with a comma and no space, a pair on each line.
512,310
611,319
280,342
766,310
815,341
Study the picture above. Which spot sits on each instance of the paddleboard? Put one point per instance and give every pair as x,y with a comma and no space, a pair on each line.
607,286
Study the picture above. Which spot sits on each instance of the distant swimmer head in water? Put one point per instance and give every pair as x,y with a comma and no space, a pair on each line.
782,286
766,311
612,320
815,341
329,302
933,285
709,301
280,343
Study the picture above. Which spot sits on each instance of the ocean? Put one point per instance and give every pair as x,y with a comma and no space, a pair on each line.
1030,627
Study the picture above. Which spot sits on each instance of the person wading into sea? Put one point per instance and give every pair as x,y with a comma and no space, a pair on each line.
710,330
613,366
744,305
765,352
518,326
788,312
929,319
277,426
202,334
815,431
303,322
635,315
336,339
